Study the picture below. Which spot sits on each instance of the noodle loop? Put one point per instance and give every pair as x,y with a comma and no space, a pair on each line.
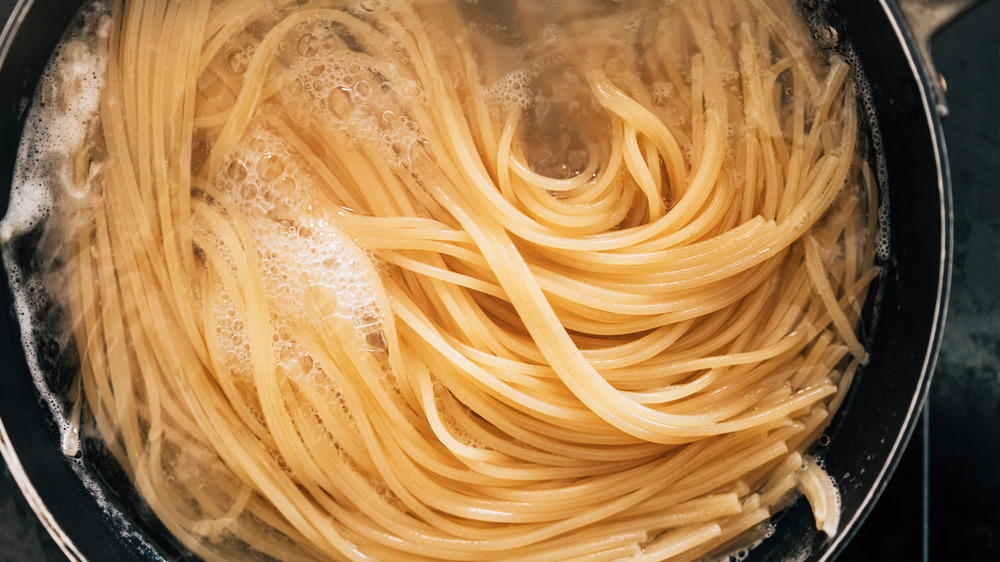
381,280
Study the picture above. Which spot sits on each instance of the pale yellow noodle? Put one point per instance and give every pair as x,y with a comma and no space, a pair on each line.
629,361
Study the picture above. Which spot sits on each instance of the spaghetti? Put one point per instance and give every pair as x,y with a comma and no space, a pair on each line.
396,281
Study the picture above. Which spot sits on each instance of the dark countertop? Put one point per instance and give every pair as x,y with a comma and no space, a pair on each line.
965,396
944,501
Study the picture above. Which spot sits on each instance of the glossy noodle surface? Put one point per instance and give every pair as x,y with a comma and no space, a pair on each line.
445,280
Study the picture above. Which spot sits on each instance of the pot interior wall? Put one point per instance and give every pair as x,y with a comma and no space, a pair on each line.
101,526
869,435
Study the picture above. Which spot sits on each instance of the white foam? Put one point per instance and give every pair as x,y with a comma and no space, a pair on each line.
299,249
344,92
867,100
66,102
56,128
512,91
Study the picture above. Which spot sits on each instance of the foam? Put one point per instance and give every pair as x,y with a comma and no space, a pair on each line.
56,126
344,92
512,91
298,251
866,97
67,100
662,92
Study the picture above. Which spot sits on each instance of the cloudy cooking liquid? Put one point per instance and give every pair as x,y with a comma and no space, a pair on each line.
268,179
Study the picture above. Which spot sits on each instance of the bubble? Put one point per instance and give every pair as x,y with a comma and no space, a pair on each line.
295,87
315,67
362,89
236,171
270,167
439,389
248,191
375,340
308,45
238,61
257,144
285,184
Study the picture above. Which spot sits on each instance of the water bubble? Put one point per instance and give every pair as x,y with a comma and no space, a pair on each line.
375,340
295,87
248,191
236,171
412,91
258,144
238,61
362,89
270,167
309,45
315,67
285,184
439,389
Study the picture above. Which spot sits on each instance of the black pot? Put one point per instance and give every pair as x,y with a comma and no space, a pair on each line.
867,437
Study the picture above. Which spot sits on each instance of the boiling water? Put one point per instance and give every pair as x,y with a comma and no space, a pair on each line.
270,181
50,185
48,175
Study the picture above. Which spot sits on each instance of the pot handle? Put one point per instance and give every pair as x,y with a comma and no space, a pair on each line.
925,18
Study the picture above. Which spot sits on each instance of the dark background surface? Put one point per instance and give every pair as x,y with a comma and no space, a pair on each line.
943,502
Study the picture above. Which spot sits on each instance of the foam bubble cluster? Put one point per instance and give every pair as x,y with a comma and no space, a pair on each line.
57,127
512,91
363,100
298,249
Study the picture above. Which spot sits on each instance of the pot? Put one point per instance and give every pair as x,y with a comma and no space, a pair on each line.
91,511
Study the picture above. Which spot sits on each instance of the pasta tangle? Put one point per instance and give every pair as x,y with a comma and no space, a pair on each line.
433,280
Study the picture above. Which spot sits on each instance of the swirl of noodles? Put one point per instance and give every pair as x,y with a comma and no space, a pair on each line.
354,286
